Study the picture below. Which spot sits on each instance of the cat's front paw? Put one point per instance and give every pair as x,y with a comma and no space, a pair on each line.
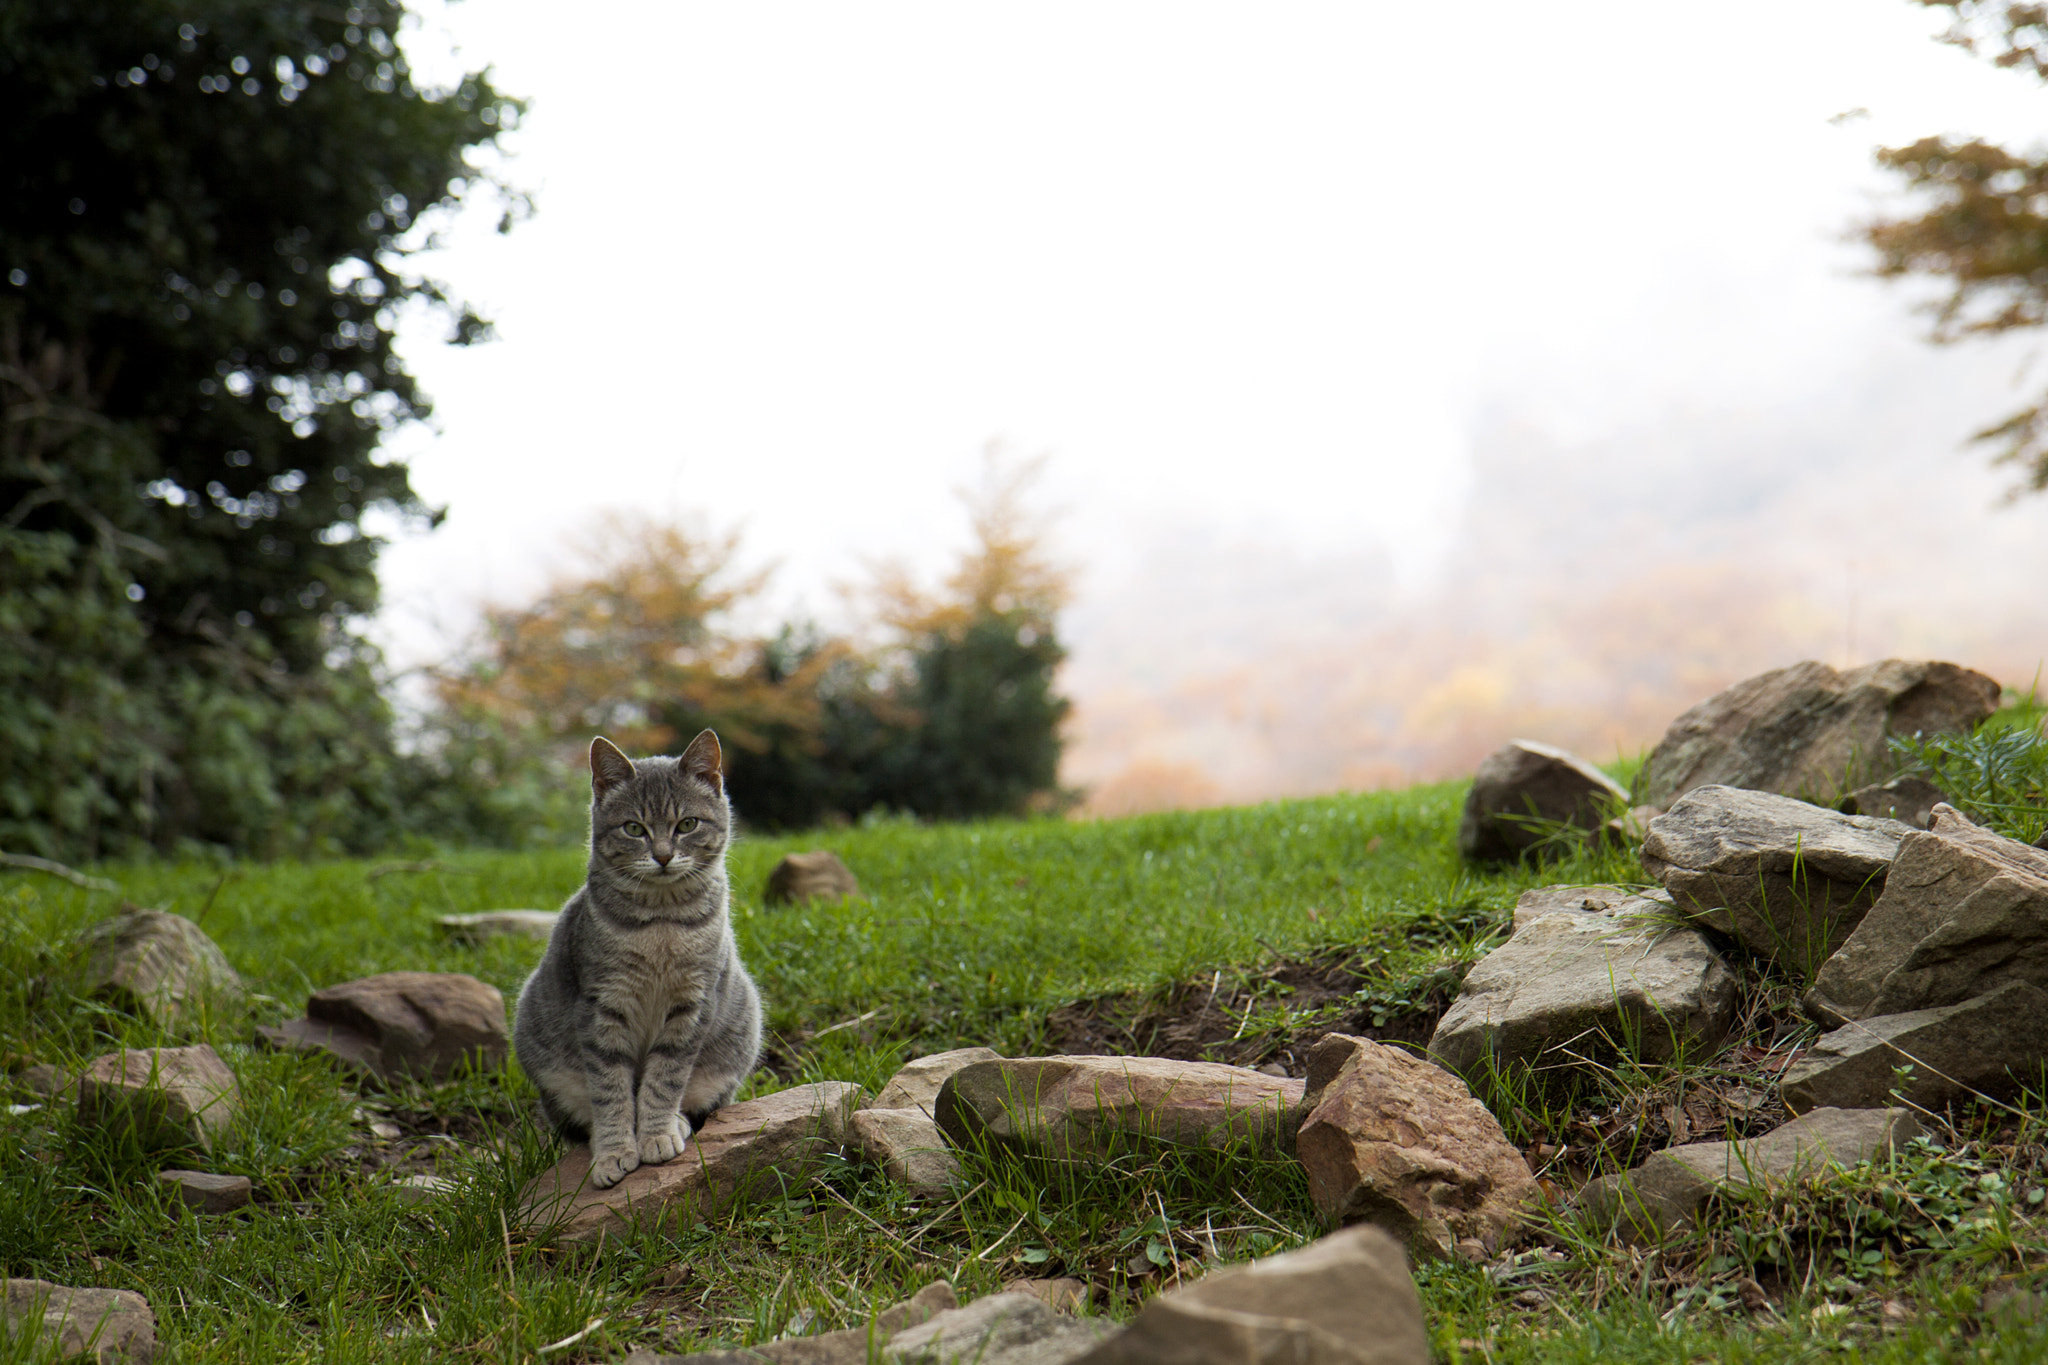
656,1148
610,1168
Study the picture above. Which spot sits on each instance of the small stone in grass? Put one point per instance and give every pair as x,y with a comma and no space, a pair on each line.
206,1193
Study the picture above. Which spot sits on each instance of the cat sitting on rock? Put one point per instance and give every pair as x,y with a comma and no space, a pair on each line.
640,1021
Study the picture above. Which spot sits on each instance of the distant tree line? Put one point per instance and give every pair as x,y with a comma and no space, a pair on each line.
208,210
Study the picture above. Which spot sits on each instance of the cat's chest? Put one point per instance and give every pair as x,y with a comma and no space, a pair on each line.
657,971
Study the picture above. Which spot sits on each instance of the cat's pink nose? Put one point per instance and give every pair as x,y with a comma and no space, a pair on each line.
661,859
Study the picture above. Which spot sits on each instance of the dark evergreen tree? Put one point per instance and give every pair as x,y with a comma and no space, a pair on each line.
206,209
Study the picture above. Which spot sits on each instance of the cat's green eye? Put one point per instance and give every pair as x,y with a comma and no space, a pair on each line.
687,823
635,828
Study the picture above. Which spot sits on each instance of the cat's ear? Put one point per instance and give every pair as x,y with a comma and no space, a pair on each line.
704,761
608,767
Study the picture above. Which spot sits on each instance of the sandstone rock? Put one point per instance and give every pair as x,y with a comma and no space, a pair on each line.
106,1325
1786,879
1991,1045
1909,800
817,875
847,1347
908,1146
48,1081
159,965
1810,731
1523,783
1001,1329
1394,1140
1964,911
1345,1300
1072,1106
174,1096
750,1150
427,1025
1621,978
1665,1192
916,1086
490,924
203,1192
1063,1295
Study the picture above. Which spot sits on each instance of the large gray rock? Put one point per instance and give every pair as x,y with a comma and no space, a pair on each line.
751,1150
1522,790
1095,1106
1991,1045
1345,1300
1963,911
1001,1329
1665,1193
1810,731
159,965
817,875
1615,976
426,1025
104,1325
170,1096
1399,1142
1786,879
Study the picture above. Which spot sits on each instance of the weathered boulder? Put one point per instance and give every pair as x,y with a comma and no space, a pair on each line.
908,1146
1909,800
1595,981
1810,731
427,1025
1000,1329
817,875
106,1325
744,1151
847,1347
172,1096
1788,880
916,1085
1991,1045
1963,911
1666,1191
204,1192
1345,1300
1073,1106
1523,790
1397,1141
159,965
490,924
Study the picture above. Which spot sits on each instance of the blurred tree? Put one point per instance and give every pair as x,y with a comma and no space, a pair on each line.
1986,228
206,213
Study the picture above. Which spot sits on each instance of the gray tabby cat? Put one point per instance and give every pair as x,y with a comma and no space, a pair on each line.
640,1020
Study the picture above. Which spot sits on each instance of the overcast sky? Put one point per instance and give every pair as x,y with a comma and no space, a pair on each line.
1260,278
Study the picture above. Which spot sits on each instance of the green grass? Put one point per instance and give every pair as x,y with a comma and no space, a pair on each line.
968,934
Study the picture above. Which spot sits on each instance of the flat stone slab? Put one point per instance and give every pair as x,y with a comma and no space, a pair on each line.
203,1192
1396,1141
490,924
1787,880
160,966
1096,1106
909,1148
425,1025
916,1085
1964,911
173,1096
1664,1193
1524,791
750,1150
1345,1300
1992,1045
1588,983
104,1325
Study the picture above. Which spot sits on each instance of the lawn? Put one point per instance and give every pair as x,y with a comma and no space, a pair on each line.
970,934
